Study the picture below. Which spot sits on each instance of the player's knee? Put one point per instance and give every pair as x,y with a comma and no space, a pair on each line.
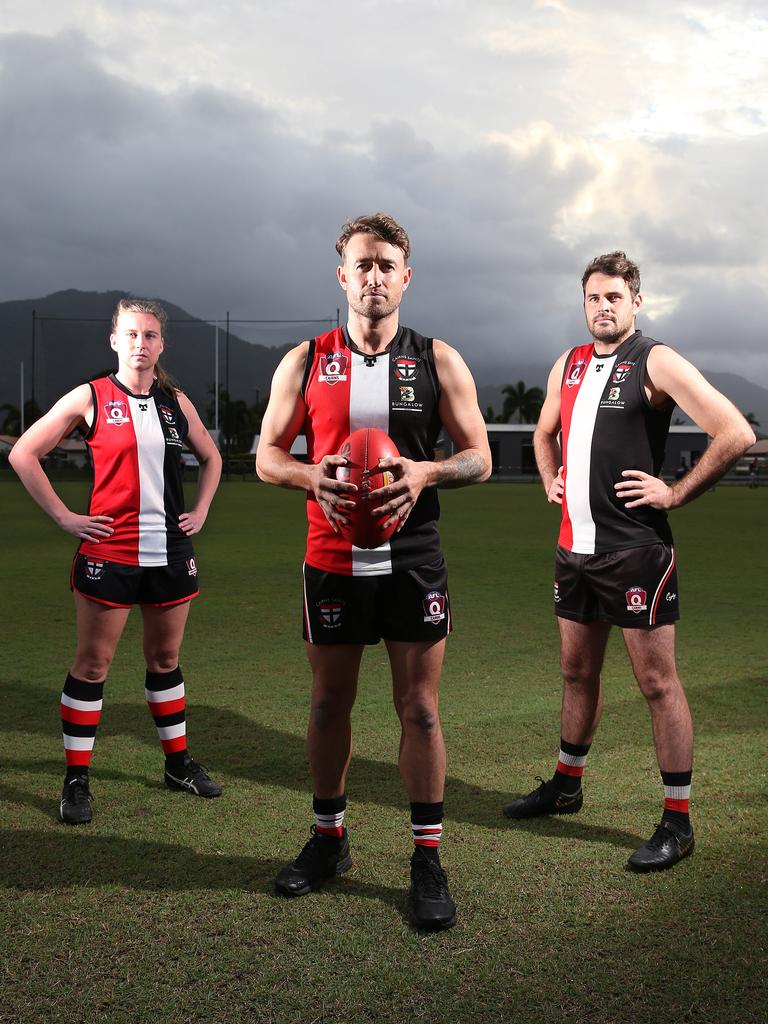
91,666
420,717
327,712
162,660
577,674
658,686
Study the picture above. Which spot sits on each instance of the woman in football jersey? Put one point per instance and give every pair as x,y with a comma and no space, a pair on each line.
135,545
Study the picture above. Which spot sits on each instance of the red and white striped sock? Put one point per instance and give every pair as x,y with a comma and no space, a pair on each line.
570,766
329,815
80,714
167,704
677,796
427,827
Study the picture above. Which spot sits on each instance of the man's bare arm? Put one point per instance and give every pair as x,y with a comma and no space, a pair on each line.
669,374
545,444
282,421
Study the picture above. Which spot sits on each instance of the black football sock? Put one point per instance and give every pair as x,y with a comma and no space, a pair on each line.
677,795
427,828
570,766
329,815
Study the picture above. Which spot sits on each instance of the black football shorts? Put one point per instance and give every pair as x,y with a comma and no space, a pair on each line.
632,588
411,605
121,586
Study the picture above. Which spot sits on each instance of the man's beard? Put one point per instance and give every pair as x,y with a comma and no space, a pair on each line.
609,335
373,310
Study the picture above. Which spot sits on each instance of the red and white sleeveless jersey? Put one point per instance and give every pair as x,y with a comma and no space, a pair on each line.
396,391
135,446
609,425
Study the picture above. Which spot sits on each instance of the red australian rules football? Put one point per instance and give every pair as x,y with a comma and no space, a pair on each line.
363,449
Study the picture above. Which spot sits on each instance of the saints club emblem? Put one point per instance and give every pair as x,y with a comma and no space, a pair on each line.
330,613
406,369
621,372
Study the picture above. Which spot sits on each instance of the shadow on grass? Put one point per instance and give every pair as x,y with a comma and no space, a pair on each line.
36,862
231,743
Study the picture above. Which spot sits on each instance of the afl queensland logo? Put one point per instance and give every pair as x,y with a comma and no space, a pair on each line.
406,369
330,613
333,368
636,600
621,372
117,413
575,373
434,607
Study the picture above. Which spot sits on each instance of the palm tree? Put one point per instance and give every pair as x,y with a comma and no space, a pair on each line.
524,401
11,422
751,419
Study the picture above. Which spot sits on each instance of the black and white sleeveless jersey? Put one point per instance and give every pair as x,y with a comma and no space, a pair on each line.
609,425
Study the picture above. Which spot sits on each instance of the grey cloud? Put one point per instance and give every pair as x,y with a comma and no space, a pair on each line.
212,202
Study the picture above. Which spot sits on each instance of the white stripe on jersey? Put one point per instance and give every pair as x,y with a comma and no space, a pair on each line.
579,454
161,696
369,407
150,444
81,705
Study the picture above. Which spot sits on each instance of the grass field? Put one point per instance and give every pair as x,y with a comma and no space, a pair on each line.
163,908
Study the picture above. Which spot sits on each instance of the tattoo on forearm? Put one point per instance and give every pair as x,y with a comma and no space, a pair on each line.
460,469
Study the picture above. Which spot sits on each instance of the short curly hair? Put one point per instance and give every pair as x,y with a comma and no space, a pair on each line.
614,264
379,224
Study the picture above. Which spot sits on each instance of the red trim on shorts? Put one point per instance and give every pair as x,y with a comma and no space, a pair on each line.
667,574
98,600
166,604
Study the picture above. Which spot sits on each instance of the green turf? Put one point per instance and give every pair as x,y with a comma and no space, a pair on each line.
163,909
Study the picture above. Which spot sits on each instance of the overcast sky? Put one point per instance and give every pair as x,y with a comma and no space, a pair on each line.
209,153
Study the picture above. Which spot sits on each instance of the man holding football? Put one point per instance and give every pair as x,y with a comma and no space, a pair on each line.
373,372
612,401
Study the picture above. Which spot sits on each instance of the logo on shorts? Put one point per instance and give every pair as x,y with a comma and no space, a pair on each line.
636,598
671,596
434,607
191,567
167,414
93,570
557,591
621,372
575,373
330,612
117,412
333,368
406,369
407,394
